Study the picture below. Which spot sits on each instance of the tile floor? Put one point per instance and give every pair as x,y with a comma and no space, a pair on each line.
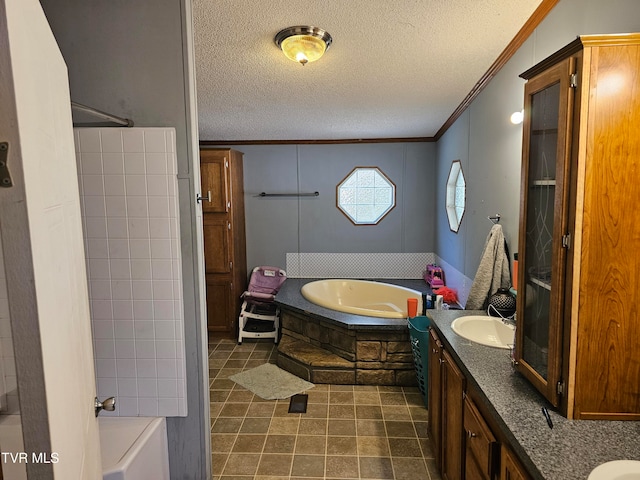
348,432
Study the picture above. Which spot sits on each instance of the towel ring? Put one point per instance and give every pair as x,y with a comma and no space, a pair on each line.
495,219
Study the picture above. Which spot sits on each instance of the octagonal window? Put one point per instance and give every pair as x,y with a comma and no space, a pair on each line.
366,195
456,195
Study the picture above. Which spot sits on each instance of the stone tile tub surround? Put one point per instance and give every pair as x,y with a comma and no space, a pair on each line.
326,346
571,450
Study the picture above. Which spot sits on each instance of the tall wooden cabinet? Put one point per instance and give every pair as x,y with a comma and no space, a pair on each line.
578,325
224,237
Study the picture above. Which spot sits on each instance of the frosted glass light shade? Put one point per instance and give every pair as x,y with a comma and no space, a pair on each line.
303,48
303,44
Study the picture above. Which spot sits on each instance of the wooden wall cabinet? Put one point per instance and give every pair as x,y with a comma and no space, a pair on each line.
224,237
578,327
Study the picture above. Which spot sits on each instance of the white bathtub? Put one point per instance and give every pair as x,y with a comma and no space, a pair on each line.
134,448
361,297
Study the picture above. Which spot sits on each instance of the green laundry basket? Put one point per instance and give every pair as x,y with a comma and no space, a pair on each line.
419,335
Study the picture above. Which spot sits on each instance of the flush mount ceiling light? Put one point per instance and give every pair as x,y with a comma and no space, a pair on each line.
303,44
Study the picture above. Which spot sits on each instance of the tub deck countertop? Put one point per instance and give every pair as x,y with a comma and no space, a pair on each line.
289,297
568,451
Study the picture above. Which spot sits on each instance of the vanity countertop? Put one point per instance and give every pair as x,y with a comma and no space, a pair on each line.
571,449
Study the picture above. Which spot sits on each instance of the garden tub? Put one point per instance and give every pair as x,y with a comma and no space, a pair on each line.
361,297
134,448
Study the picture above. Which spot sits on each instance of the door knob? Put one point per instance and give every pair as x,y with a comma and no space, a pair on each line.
109,405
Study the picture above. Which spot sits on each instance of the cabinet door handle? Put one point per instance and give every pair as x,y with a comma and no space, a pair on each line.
200,198
228,225
470,434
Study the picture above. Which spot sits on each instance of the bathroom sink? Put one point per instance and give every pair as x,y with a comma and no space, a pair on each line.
485,330
617,470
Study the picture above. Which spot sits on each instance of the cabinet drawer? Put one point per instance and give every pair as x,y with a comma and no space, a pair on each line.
480,441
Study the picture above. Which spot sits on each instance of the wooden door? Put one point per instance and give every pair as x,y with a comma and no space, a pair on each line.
607,334
220,309
217,245
43,249
544,215
453,385
434,393
214,179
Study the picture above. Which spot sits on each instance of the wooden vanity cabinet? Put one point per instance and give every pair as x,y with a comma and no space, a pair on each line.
577,322
481,444
224,237
446,385
464,441
453,387
510,467
434,395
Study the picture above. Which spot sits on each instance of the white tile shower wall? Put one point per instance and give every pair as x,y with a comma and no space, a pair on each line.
129,202
456,280
357,265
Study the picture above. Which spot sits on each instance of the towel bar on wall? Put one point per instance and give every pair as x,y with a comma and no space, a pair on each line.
264,194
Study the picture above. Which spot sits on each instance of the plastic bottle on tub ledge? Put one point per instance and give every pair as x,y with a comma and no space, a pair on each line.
434,302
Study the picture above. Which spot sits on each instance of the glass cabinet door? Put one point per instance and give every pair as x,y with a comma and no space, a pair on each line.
543,217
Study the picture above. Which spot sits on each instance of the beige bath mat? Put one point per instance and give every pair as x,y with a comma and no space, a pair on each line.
270,382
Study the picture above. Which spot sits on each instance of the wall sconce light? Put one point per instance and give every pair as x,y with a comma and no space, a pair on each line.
517,117
303,44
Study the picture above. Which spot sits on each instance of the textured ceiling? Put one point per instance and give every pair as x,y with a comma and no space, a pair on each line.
396,68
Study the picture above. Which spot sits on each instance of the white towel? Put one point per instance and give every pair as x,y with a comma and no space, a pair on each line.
493,271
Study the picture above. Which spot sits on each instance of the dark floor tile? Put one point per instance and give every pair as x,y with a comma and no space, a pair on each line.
422,429
341,427
405,447
249,444
222,443
312,426
409,468
376,467
400,429
392,398
261,409
241,464
342,411
342,466
280,444
275,464
396,412
317,410
226,425
234,410
311,444
370,428
342,446
366,398
308,466
419,414
218,460
255,425
341,397
373,446
369,411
